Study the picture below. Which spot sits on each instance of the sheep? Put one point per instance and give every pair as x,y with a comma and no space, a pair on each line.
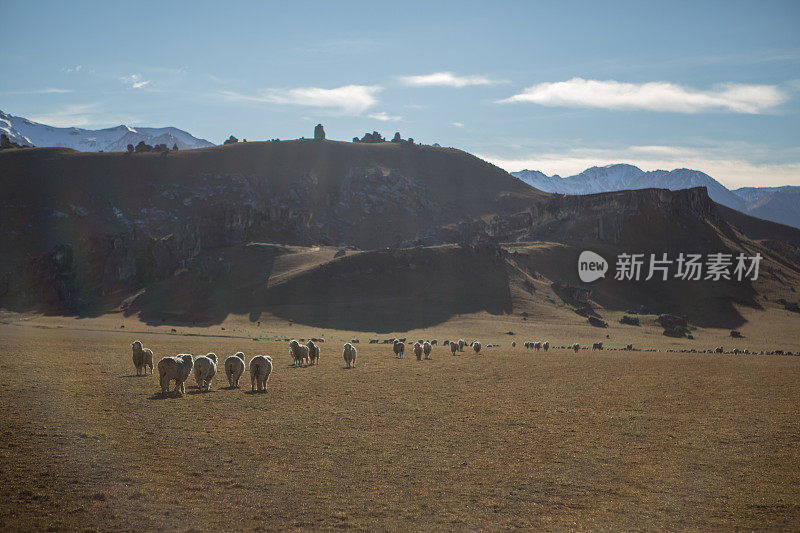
418,351
476,346
299,352
234,368
719,349
597,346
445,343
142,358
175,368
513,344
545,346
461,344
205,368
537,345
313,353
349,354
629,347
453,348
399,348
260,369
434,342
426,349
576,347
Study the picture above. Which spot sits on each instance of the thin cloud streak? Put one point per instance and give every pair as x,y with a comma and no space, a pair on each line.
446,79
350,99
652,96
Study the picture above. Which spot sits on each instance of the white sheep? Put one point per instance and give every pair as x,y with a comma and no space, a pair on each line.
453,348
313,353
476,346
349,354
426,349
537,345
418,351
399,348
461,344
297,352
234,368
260,369
175,368
545,346
205,368
142,358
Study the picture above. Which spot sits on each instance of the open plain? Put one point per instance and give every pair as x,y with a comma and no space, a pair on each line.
507,438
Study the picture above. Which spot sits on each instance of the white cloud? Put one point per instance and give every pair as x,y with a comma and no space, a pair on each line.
384,117
729,164
653,96
135,81
351,99
445,79
70,70
457,124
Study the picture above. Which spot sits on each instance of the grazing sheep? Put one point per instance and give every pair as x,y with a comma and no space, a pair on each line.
719,349
142,358
418,351
175,368
434,342
545,346
629,347
399,348
349,354
299,352
234,368
260,369
426,349
205,368
453,348
537,345
576,347
445,343
461,344
513,344
597,346
313,353
476,346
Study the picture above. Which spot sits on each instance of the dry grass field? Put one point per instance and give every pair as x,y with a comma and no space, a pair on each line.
505,439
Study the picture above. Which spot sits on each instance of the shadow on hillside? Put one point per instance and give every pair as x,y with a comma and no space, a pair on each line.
372,291
708,304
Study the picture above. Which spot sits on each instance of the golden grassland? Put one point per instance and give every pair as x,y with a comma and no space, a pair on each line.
508,438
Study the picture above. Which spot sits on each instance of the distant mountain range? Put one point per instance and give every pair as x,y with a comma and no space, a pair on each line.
778,204
27,132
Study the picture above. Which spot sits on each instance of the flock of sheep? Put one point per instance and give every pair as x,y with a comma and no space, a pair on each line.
179,368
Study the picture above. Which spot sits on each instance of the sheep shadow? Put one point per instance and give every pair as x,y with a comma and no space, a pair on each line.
161,396
256,391
196,390
135,376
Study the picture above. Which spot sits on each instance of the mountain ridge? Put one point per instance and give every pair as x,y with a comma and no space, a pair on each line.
115,139
778,204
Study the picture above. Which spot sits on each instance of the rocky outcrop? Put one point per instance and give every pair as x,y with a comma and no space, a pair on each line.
373,137
319,133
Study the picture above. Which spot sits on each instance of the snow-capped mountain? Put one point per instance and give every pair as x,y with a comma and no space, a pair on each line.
24,131
779,204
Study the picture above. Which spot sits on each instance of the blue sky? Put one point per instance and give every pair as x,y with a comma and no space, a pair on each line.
552,86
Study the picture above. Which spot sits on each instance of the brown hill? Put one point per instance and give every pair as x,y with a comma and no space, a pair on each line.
176,237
